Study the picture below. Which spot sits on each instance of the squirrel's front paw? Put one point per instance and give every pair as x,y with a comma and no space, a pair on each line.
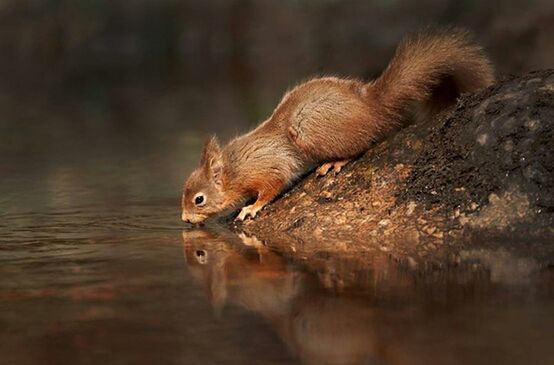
250,210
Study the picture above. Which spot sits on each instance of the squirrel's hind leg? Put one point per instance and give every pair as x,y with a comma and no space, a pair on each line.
335,165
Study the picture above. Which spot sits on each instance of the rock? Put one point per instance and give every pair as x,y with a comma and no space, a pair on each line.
483,170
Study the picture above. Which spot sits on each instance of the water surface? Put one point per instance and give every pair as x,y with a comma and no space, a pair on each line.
97,268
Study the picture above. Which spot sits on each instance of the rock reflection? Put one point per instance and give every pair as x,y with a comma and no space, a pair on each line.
366,308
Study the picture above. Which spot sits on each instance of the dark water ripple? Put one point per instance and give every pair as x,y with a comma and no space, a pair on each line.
25,228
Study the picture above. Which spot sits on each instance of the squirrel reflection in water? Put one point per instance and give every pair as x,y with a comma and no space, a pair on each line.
363,307
304,307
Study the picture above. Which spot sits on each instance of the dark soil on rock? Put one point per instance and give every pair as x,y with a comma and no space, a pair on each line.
497,140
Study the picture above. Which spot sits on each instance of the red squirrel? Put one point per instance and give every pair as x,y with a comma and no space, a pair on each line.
326,122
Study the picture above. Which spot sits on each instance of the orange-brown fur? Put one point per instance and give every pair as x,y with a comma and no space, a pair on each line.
331,119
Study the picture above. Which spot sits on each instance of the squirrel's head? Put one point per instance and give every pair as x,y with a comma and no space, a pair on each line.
203,191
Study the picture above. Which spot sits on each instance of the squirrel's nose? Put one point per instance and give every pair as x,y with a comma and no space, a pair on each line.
184,218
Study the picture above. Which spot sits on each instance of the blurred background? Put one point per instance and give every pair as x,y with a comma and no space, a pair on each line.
117,96
104,106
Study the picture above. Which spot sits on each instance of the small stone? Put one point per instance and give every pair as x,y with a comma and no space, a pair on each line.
493,198
293,210
327,194
348,205
482,139
438,234
383,222
384,248
429,229
473,206
532,124
411,207
318,232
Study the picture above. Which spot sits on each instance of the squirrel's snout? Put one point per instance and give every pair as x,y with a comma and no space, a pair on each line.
185,217
192,218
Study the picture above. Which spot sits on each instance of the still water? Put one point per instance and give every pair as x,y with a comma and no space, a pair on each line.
96,268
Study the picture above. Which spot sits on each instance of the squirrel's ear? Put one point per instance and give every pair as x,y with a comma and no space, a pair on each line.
212,161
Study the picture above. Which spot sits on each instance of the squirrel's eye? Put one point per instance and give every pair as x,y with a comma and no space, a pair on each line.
199,199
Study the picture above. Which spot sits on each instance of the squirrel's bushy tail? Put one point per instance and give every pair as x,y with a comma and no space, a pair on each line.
430,70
